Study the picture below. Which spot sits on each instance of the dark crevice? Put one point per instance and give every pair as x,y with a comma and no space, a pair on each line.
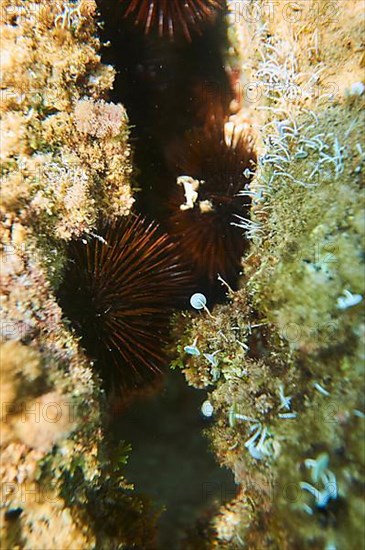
170,461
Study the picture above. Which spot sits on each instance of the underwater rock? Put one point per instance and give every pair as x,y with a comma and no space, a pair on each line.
58,176
288,380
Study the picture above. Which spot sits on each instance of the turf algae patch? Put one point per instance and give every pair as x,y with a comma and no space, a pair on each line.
287,380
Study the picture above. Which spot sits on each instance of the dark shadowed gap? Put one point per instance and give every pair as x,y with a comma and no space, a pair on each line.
170,460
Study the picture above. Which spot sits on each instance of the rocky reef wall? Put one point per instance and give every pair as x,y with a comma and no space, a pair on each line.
283,361
65,162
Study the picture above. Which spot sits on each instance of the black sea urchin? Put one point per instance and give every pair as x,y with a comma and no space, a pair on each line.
213,166
172,17
119,290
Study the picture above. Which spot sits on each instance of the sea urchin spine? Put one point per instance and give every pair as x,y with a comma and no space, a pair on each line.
119,290
172,17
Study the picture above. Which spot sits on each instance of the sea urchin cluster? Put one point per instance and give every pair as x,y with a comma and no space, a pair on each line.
212,169
119,290
172,17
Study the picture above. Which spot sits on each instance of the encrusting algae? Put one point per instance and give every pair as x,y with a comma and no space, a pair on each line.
65,162
65,156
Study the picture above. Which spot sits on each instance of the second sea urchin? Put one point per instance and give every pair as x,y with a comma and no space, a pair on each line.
212,170
172,17
119,290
